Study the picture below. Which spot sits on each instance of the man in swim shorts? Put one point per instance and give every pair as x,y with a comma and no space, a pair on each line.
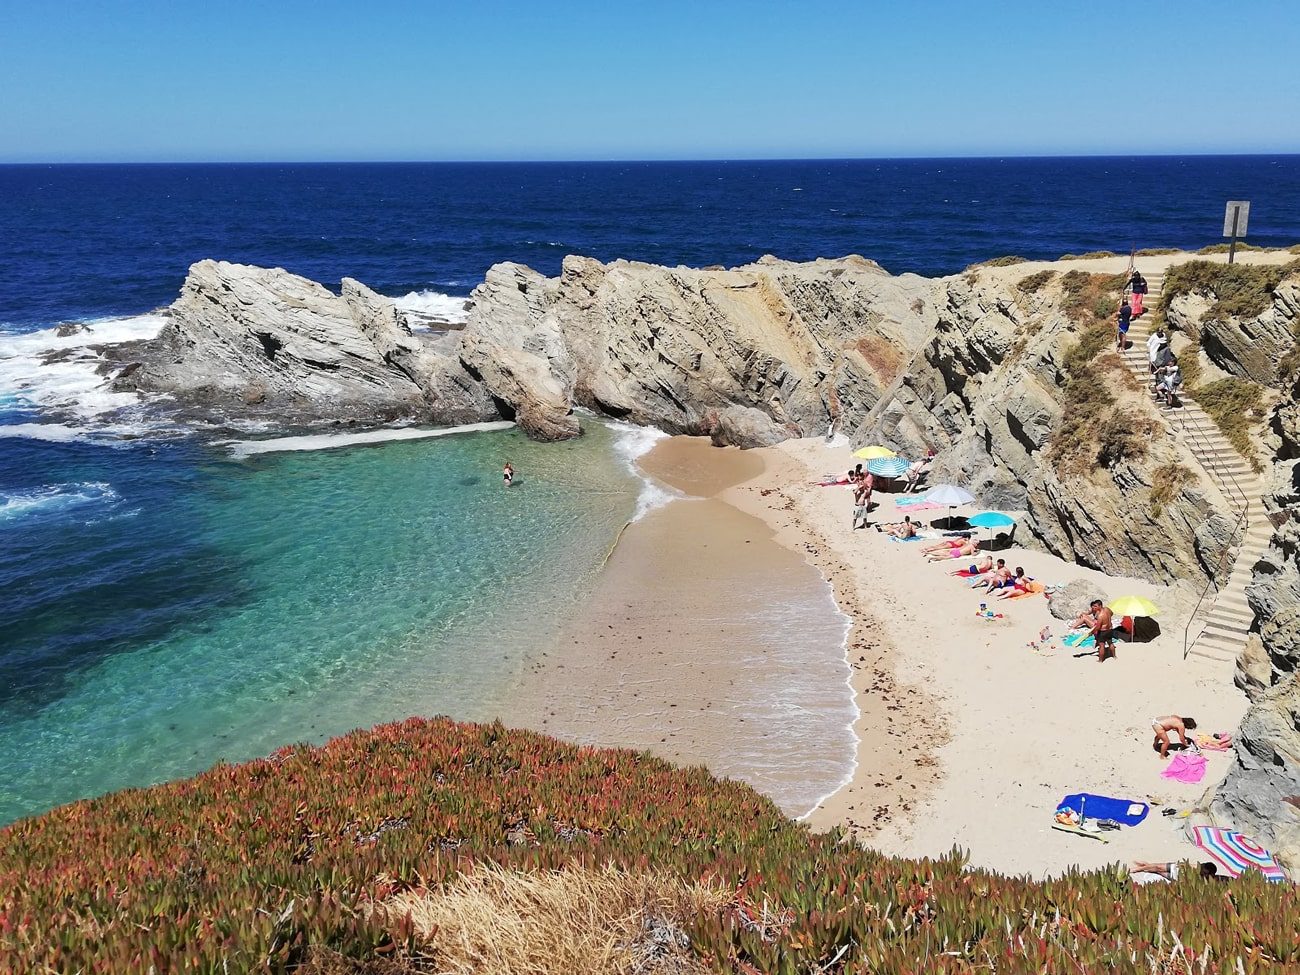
1103,630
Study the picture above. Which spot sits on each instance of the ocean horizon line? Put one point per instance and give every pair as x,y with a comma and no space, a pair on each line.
621,161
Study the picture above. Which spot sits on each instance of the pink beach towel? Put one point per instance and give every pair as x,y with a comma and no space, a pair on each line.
1185,768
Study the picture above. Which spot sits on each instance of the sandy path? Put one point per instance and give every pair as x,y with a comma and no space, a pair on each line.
1008,729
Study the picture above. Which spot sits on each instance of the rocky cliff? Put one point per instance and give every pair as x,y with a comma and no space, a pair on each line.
247,341
976,366
676,347
1261,792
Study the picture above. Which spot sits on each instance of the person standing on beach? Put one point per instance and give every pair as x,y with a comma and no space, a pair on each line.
1125,317
508,474
861,501
1103,631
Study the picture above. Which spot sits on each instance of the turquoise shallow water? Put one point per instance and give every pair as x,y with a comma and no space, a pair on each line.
295,596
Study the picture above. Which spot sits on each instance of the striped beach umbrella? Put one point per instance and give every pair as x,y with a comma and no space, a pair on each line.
1236,853
888,466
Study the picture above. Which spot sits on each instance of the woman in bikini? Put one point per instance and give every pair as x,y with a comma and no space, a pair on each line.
1175,724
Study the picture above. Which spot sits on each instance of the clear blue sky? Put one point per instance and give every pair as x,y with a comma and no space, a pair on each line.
327,80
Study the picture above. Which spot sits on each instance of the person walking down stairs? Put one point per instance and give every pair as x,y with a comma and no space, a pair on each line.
1137,285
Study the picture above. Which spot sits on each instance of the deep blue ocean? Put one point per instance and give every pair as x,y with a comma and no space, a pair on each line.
164,603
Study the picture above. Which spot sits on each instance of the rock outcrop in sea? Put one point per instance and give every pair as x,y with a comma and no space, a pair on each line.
263,343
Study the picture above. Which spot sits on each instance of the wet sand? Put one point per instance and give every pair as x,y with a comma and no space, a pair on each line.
705,642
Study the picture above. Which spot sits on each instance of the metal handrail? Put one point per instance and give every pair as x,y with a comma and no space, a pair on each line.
1223,561
1218,468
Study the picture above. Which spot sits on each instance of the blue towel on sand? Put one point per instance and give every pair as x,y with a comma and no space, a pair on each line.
1079,640
914,538
1122,811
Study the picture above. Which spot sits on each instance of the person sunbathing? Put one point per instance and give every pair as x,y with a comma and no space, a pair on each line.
994,578
1016,585
901,529
965,549
1085,620
975,570
1158,872
943,543
1171,723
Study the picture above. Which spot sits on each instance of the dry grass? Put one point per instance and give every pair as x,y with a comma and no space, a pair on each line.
1005,261
1167,482
1237,406
574,921
1033,283
1157,251
1088,256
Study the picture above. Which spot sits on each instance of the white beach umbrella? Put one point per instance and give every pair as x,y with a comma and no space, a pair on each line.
949,495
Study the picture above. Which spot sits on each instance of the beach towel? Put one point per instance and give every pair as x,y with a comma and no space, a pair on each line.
965,574
914,538
1185,768
1032,589
916,502
1079,640
1122,811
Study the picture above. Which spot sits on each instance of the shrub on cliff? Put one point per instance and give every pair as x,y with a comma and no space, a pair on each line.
1239,290
351,857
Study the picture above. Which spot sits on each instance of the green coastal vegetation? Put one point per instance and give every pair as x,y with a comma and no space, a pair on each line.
1239,291
400,849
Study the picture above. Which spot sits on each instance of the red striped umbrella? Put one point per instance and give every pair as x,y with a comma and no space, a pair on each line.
1236,853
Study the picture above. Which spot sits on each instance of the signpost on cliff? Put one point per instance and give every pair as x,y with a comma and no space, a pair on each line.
1234,223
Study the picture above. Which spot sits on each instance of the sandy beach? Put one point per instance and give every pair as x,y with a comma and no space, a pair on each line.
993,732
964,734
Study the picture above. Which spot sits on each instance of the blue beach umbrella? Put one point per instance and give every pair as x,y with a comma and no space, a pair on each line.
888,466
991,519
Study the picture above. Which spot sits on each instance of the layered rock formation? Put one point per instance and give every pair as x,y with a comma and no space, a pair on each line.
674,347
988,390
264,342
1261,792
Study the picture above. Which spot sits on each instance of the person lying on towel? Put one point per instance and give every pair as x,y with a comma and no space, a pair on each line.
1144,872
963,549
901,529
974,570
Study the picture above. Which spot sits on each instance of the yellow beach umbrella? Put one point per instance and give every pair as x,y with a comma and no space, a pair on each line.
874,453
1134,606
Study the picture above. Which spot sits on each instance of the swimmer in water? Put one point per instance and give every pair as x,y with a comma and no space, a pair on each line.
508,474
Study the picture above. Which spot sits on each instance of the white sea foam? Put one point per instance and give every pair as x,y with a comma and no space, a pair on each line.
433,306
631,442
53,497
73,384
328,441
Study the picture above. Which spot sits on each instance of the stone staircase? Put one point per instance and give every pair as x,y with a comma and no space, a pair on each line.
1222,621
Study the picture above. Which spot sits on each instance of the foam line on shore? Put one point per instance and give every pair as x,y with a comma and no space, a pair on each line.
630,443
240,449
